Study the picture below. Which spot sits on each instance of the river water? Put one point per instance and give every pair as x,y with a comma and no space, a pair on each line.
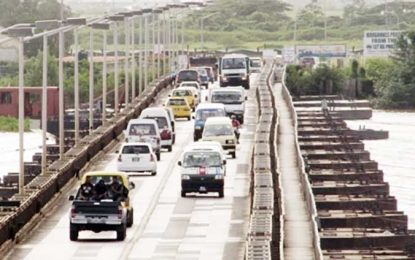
9,149
396,155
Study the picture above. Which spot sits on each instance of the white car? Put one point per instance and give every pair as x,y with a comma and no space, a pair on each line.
161,115
144,130
233,98
137,157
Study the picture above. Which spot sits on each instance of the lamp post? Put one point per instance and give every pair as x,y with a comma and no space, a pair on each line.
104,26
20,33
116,19
45,25
76,21
202,30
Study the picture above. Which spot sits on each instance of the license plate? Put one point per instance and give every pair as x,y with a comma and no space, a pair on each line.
202,188
135,159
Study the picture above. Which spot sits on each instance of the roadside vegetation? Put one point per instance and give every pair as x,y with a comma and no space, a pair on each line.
11,124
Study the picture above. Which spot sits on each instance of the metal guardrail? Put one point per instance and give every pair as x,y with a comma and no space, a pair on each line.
307,191
261,235
43,188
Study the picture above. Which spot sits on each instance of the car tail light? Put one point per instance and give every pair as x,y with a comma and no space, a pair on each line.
119,158
73,212
165,134
152,157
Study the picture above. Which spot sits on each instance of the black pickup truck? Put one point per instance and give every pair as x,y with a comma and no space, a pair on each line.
98,216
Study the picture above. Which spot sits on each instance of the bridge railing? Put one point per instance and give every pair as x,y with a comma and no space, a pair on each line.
307,190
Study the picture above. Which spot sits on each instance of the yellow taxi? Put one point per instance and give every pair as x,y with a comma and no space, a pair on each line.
108,178
189,93
180,107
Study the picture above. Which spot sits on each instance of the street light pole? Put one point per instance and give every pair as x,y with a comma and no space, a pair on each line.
116,101
44,102
140,55
91,80
61,98
132,52
76,86
153,43
146,34
126,62
21,116
104,80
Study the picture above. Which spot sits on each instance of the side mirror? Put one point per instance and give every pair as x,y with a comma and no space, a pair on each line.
131,185
117,151
193,117
179,163
71,198
169,95
196,96
224,162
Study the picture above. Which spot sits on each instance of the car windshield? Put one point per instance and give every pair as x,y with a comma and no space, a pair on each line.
161,121
188,75
218,130
227,98
204,114
182,93
135,149
202,159
202,72
176,102
235,63
142,129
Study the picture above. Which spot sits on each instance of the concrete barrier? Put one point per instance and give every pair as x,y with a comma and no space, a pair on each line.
307,191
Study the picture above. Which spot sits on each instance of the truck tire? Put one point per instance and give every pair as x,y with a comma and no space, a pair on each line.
121,232
246,85
73,232
183,194
221,193
130,218
170,148
233,154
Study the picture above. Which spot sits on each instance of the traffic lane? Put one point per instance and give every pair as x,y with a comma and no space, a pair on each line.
203,226
53,232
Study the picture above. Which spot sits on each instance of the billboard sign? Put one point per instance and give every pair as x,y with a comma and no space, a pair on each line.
379,43
322,50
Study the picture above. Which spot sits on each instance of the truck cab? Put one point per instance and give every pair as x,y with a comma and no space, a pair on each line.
234,70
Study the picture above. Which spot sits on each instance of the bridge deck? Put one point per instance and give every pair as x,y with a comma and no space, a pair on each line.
298,243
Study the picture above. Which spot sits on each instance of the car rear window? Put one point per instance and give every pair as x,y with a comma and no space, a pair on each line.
176,102
142,129
182,93
188,75
135,149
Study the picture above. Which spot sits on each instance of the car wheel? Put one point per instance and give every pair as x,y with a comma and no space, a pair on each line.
158,156
73,232
183,194
221,193
153,173
121,232
170,148
130,218
189,118
233,154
